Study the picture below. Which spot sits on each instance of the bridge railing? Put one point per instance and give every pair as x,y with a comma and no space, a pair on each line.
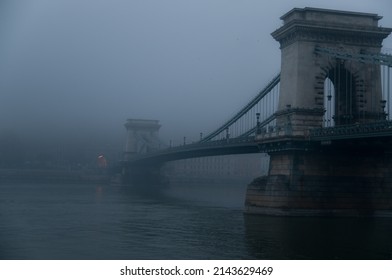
213,143
381,128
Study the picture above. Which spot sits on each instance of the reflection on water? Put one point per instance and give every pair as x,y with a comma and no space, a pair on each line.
318,237
60,221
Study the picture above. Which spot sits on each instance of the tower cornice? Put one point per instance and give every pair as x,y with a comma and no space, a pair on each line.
301,30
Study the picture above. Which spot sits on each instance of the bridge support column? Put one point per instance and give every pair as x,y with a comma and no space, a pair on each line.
341,178
142,138
144,176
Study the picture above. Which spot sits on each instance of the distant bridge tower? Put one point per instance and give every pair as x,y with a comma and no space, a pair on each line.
350,176
142,136
306,38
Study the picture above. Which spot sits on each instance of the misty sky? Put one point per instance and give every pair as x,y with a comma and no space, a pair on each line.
82,67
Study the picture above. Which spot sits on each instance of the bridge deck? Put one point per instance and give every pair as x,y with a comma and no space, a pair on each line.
267,142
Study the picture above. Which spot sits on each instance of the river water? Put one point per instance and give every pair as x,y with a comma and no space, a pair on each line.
198,221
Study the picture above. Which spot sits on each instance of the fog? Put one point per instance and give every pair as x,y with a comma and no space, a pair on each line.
73,71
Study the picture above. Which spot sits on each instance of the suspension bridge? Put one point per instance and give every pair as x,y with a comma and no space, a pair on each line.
325,120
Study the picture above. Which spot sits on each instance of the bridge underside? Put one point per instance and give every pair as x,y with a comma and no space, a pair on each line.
340,177
145,169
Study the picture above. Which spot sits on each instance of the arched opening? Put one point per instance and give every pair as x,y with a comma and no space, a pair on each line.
339,94
329,103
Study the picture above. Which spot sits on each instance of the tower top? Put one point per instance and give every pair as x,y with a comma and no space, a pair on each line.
312,24
141,124
328,16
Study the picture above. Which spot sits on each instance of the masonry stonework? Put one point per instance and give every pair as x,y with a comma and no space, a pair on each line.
345,177
303,71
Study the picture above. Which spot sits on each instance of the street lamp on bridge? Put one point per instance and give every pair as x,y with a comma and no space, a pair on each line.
383,105
258,123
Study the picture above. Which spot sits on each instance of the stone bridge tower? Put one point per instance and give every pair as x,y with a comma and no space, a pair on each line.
356,96
342,177
142,136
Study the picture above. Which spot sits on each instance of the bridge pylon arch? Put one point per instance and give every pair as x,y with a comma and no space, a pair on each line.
304,67
337,173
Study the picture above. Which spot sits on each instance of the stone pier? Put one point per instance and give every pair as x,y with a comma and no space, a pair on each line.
343,178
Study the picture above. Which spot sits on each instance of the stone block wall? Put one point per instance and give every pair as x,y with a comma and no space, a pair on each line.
345,181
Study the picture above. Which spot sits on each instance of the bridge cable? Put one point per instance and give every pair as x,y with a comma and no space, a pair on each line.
244,110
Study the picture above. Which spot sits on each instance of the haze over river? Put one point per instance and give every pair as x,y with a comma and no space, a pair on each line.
184,221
